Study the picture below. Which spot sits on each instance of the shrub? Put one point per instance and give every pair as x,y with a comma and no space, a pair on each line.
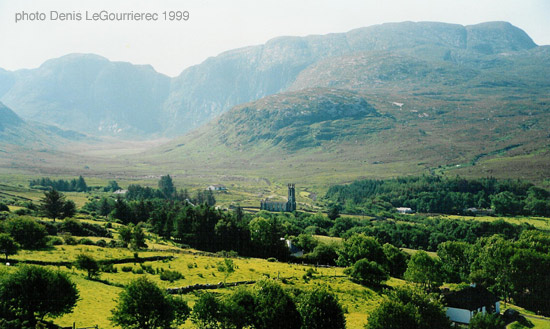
109,268
69,239
101,243
86,241
148,268
3,207
272,259
138,270
171,276
55,241
126,268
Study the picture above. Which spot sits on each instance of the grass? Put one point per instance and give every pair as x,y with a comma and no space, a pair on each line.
538,222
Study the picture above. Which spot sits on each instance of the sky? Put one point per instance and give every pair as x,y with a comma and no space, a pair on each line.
215,26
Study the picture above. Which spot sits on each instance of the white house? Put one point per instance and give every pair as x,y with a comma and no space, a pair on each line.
217,187
404,210
462,305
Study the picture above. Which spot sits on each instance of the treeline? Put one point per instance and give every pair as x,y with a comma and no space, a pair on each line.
434,194
73,185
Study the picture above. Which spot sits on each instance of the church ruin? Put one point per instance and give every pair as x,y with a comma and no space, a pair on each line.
290,205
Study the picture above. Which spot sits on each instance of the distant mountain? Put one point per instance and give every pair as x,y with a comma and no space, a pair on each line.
16,132
91,94
88,93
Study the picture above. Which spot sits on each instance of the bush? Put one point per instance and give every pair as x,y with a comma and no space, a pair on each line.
272,259
171,276
3,207
101,243
55,241
126,268
110,268
69,239
148,268
86,241
138,270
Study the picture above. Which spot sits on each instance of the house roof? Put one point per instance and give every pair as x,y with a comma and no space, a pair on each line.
471,298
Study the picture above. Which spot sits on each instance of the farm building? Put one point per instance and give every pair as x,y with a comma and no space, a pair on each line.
462,305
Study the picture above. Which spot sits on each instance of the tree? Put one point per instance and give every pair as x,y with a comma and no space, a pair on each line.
208,312
8,246
52,204
455,260
138,237
411,309
125,234
143,305
368,273
306,242
326,254
31,293
240,309
227,267
81,185
397,260
166,186
275,309
486,321
266,234
27,232
425,270
360,246
68,210
334,212
320,310
506,203
87,263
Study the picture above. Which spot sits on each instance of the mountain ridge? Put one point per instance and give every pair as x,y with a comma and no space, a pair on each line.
129,100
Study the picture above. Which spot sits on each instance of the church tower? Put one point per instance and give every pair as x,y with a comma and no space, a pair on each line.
291,203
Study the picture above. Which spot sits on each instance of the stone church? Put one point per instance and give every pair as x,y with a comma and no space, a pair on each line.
290,205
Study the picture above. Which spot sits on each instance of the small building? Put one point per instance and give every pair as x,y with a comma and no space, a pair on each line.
289,206
462,305
216,187
120,192
404,210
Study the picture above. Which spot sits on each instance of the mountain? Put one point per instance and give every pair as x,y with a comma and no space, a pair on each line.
14,131
88,93
421,98
209,89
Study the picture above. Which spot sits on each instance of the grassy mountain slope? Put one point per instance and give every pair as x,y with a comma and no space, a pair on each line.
376,113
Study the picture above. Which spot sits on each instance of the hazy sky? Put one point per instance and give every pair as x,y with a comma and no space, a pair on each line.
218,25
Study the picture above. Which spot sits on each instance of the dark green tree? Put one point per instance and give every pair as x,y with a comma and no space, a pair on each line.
240,309
8,246
27,232
125,234
275,308
31,293
397,260
424,270
411,309
321,310
455,260
88,264
360,246
138,237
143,305
52,204
208,312
368,273
166,186
333,212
